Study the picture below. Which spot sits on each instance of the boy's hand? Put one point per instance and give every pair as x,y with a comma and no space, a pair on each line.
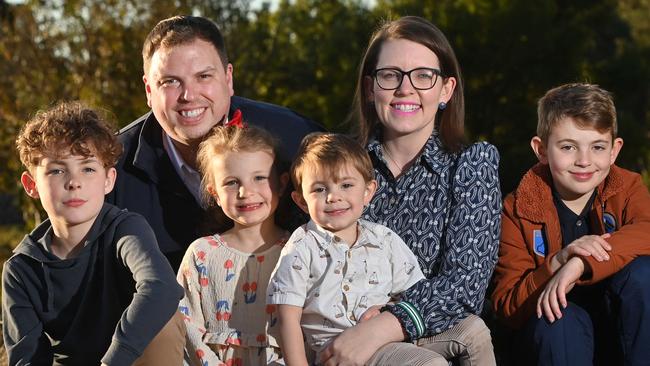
554,295
372,312
585,246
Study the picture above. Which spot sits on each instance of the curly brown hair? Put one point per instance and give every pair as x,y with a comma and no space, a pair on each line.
68,127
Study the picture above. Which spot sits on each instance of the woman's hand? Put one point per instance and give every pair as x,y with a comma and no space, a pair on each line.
356,345
372,312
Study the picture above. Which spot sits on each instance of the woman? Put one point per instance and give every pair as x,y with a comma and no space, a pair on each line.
440,195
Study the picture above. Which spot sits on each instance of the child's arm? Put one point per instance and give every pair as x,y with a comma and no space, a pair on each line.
293,346
190,278
589,245
288,289
157,292
554,295
24,338
631,238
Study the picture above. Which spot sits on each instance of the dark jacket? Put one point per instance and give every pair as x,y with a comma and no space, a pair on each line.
531,236
104,305
148,184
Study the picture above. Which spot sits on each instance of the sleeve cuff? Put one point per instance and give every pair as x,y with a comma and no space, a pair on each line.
118,354
286,299
409,316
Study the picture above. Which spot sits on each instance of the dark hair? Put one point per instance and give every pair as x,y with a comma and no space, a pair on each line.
587,104
68,127
450,122
329,152
179,30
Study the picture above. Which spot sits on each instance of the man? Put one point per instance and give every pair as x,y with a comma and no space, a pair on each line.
189,87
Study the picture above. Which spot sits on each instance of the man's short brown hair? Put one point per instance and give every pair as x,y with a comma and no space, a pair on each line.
587,104
180,30
68,127
329,152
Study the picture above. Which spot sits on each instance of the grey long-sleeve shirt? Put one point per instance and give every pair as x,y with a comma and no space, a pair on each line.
104,305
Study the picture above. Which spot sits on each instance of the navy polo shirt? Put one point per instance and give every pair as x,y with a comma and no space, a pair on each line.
573,226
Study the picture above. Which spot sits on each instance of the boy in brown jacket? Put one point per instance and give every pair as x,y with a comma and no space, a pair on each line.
573,263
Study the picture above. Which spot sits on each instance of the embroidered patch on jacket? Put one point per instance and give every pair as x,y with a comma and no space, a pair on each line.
610,222
539,246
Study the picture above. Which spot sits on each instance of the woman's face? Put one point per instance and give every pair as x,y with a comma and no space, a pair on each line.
407,111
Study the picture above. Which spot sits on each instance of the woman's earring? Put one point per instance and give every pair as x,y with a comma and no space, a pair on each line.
442,106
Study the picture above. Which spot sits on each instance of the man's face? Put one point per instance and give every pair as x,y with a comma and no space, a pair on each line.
188,90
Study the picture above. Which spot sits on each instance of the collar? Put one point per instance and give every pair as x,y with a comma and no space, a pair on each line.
533,196
190,177
150,149
564,211
325,238
433,156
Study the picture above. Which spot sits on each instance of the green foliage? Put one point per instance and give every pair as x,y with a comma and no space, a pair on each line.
511,52
305,53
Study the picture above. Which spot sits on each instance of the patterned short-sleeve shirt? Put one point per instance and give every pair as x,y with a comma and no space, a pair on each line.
335,283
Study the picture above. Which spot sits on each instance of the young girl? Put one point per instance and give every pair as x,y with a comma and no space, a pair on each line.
225,275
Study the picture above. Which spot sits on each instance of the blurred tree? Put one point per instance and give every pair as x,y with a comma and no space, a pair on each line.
305,53
511,52
79,49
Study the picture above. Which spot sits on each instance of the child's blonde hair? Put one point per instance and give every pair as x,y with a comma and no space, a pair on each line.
224,139
68,127
587,104
328,152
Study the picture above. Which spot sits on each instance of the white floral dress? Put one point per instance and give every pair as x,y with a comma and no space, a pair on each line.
227,318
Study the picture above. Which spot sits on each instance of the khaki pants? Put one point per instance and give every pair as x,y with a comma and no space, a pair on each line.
469,342
166,349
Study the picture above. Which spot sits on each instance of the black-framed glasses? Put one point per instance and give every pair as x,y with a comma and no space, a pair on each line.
422,78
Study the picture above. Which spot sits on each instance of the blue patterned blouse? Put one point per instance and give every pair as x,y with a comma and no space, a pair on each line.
447,208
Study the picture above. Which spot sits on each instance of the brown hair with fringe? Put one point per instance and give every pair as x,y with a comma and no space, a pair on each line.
329,152
587,104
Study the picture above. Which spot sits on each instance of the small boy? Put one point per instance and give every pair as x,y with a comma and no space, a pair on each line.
337,269
573,263
89,284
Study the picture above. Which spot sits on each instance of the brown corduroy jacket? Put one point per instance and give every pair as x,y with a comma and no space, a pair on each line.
531,236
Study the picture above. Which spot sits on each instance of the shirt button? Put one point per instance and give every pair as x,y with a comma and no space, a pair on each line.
351,316
579,223
346,288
